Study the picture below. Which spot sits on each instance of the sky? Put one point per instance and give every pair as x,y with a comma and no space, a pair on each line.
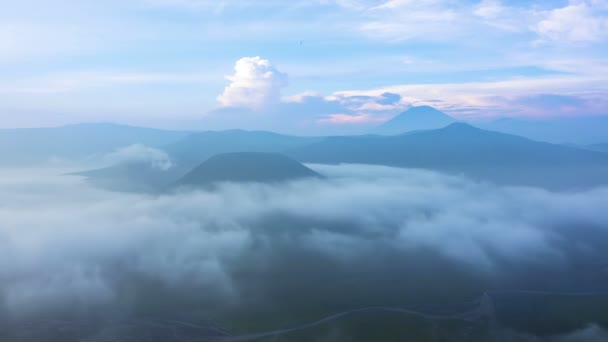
298,66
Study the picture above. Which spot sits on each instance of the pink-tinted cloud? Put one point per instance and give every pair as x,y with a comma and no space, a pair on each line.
347,119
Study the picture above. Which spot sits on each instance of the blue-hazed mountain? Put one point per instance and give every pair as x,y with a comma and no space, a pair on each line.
581,130
458,148
28,146
599,147
415,118
197,147
463,149
189,152
133,177
246,167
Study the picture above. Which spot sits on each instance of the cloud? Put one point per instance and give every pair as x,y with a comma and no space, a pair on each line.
67,82
389,99
301,97
565,94
341,111
534,97
548,106
579,21
489,9
256,84
440,20
378,102
342,119
263,248
216,6
489,99
399,20
311,112
140,154
22,40
592,333
507,18
441,28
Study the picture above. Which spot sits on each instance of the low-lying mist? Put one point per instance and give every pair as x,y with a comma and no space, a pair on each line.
283,253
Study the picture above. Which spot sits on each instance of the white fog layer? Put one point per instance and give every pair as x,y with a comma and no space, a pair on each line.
66,243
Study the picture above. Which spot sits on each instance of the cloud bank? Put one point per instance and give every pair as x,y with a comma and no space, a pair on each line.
363,236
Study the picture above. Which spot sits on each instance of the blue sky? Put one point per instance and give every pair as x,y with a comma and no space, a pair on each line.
318,65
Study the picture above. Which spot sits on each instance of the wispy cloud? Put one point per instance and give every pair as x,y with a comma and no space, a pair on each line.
579,21
133,52
140,154
74,81
498,98
348,119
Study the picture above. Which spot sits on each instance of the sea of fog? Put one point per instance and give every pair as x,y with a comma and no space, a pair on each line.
256,257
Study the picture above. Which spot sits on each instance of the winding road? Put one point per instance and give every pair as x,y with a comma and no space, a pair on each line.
484,310
468,316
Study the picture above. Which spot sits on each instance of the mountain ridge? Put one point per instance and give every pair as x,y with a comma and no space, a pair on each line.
258,167
464,149
415,118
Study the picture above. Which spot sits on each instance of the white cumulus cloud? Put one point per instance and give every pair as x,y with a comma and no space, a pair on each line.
256,84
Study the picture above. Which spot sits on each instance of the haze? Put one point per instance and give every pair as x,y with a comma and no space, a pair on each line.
361,170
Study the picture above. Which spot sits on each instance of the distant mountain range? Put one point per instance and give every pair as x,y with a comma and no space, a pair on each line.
457,148
32,146
197,147
579,130
133,177
188,153
599,147
463,149
246,167
415,118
